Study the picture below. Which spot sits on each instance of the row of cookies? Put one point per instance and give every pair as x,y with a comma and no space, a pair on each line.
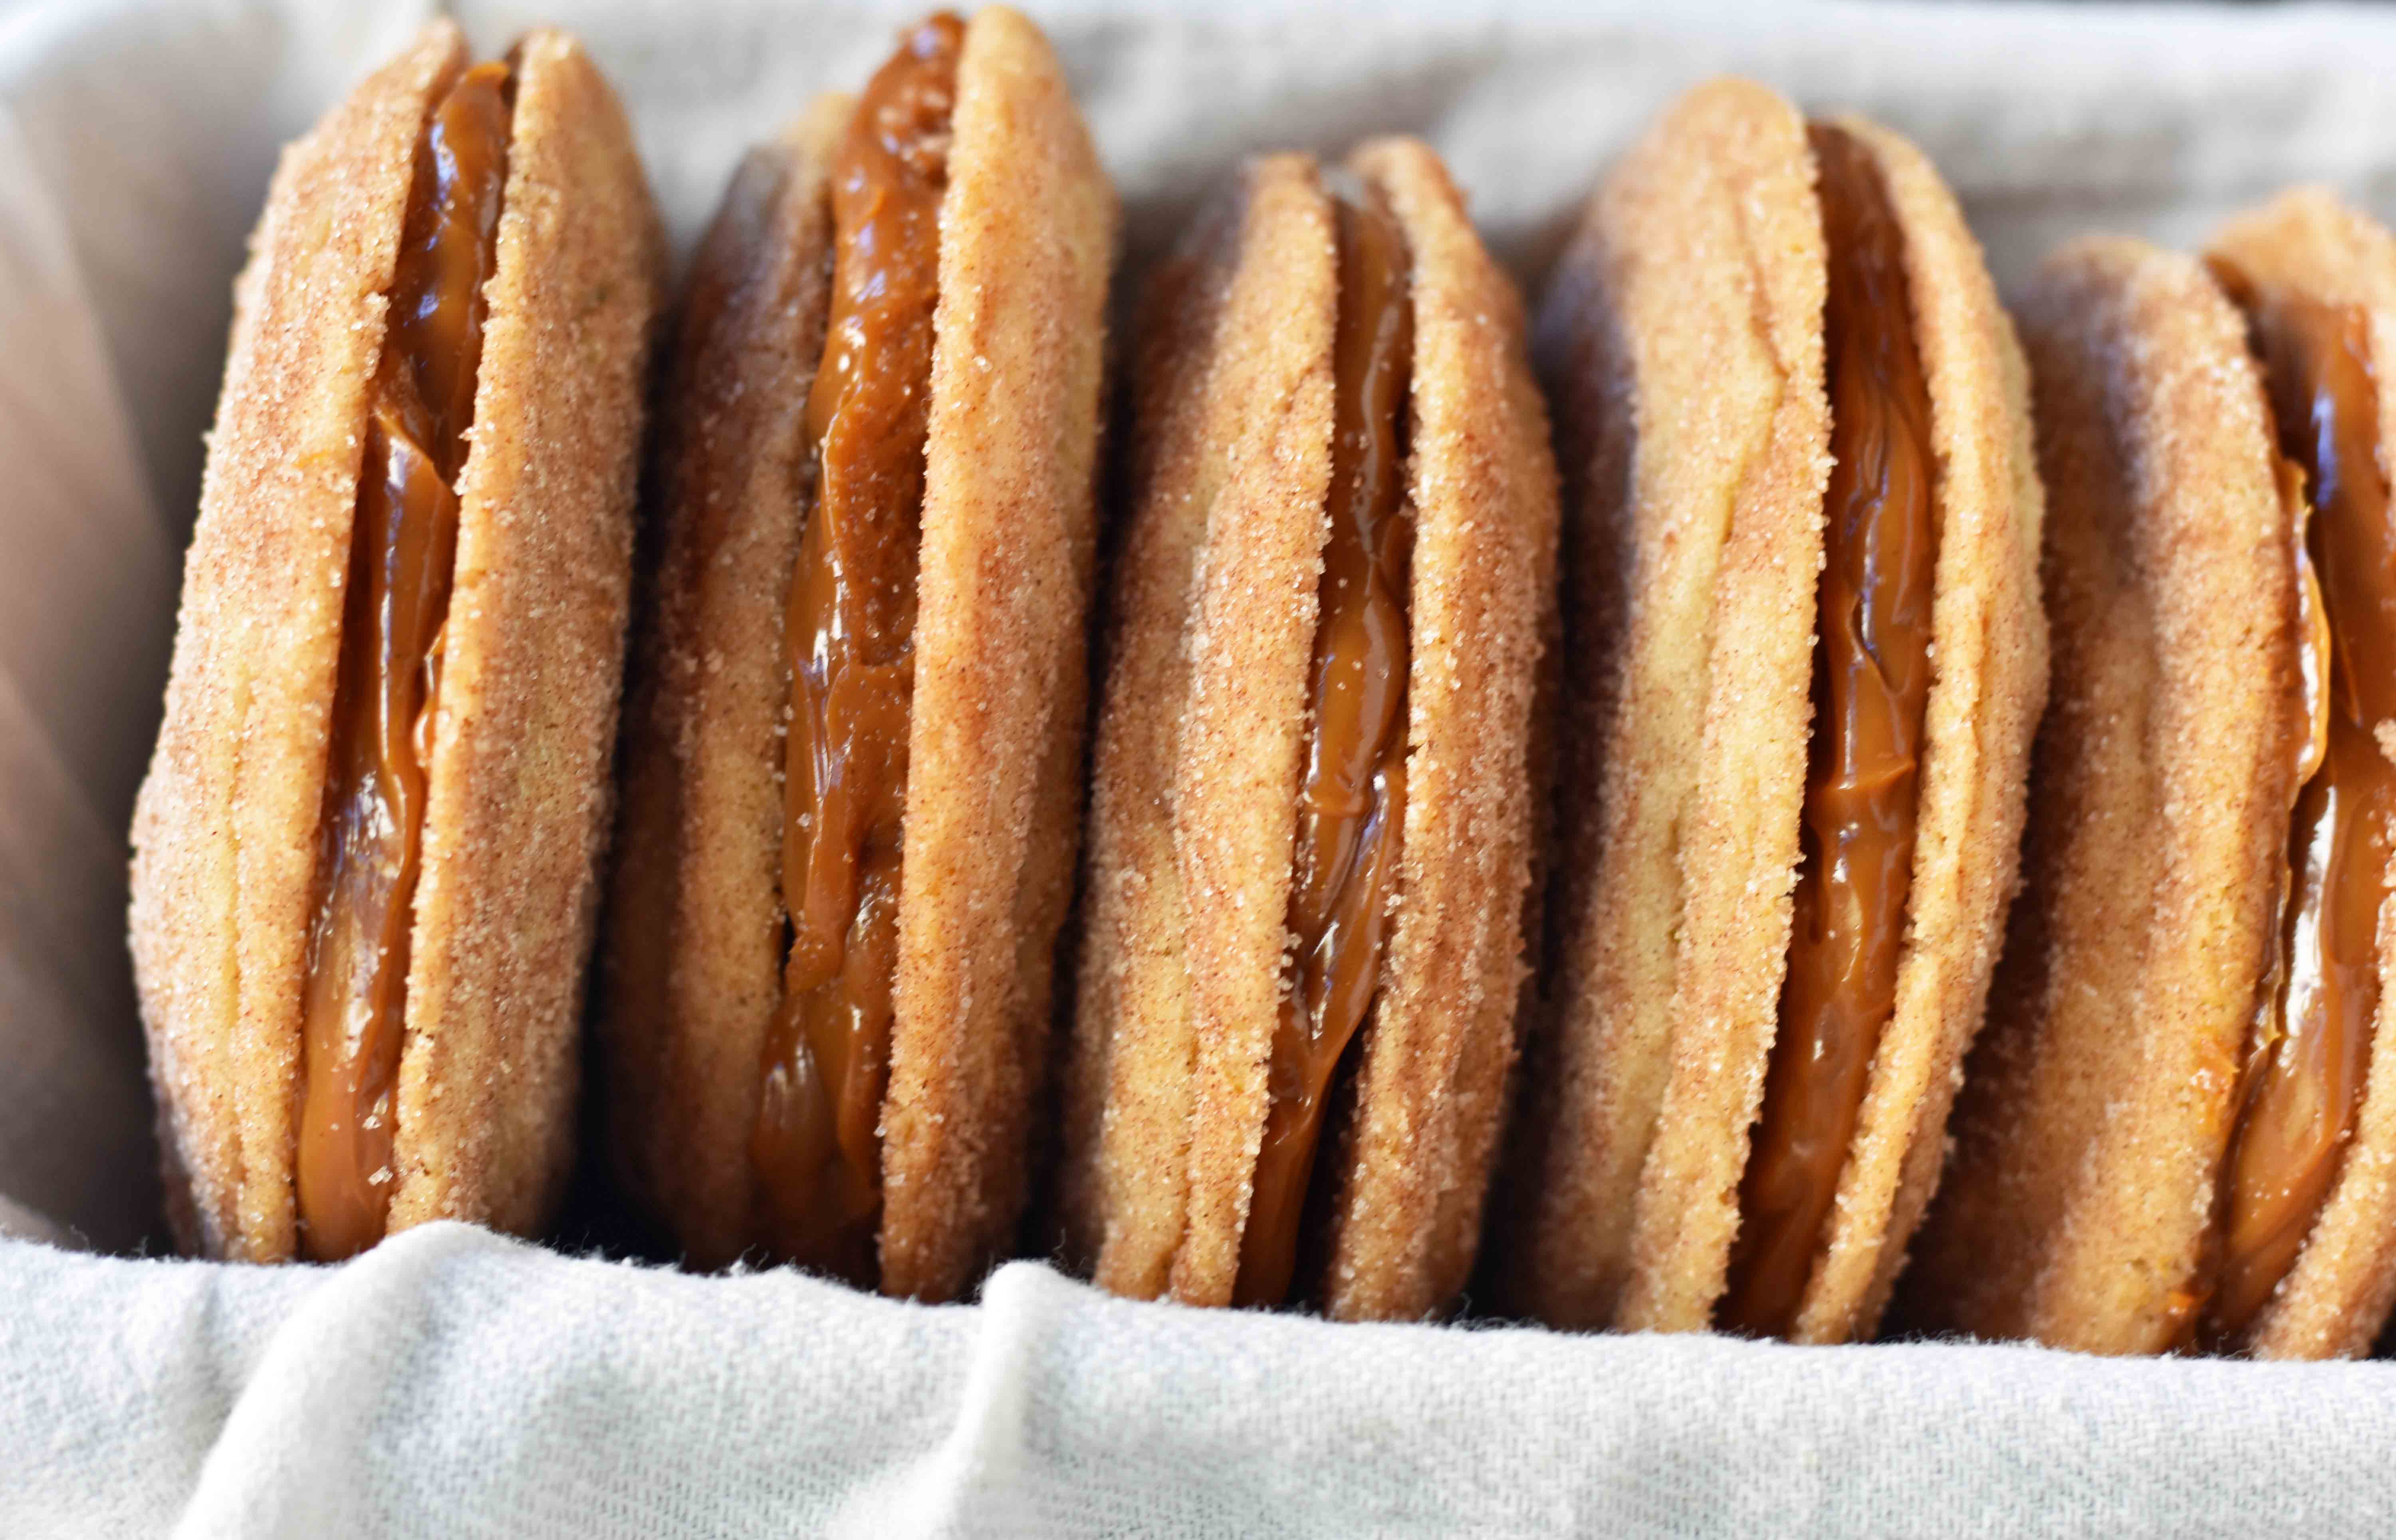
1615,863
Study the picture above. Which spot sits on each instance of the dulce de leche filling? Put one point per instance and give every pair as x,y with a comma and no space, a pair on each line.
849,630
401,550
1871,682
1351,804
2304,1080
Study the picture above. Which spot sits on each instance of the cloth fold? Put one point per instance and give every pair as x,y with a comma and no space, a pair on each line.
454,1382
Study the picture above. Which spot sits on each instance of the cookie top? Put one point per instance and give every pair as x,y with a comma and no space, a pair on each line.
1432,1089
225,831
1194,803
2081,1187
521,795
1027,241
1681,339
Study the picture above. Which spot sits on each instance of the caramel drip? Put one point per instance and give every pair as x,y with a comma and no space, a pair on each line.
849,630
387,687
2304,1082
1872,684
1352,806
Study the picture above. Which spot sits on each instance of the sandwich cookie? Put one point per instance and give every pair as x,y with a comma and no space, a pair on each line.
1311,817
852,757
2180,1132
365,863
1804,661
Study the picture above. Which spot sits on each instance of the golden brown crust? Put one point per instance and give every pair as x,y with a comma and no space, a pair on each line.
1989,655
2336,1296
1199,740
1406,1224
1251,641
519,791
1027,236
1738,848
1123,1187
224,832
694,928
2098,1105
1683,339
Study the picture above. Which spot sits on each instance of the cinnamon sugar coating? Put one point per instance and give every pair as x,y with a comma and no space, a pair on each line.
1432,1089
1681,337
993,803
521,798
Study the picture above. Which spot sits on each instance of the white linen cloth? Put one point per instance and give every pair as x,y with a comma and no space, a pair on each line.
454,1383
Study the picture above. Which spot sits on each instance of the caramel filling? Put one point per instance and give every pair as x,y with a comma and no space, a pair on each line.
1871,682
2304,1080
388,681
849,630
1352,806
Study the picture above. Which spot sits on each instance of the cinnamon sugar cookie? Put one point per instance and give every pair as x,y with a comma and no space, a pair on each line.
1310,820
2181,1128
852,753
1804,660
365,859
